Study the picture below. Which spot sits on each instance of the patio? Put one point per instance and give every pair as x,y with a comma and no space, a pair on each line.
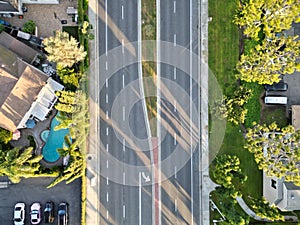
36,133
47,17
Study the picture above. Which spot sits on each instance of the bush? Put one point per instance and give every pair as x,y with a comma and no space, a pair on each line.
29,27
5,136
1,28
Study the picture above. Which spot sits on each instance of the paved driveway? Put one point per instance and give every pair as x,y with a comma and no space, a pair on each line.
35,189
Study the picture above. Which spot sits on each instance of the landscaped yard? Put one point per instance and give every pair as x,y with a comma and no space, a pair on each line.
223,56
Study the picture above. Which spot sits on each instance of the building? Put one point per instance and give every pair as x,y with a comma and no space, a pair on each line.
284,195
8,7
25,91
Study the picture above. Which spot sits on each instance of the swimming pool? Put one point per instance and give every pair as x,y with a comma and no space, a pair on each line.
54,141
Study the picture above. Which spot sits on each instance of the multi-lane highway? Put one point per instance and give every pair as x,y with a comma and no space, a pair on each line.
122,191
179,193
129,189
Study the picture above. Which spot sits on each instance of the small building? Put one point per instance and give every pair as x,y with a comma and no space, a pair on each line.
284,195
296,116
25,91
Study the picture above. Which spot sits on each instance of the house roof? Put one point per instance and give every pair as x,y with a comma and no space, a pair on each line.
20,84
296,116
22,50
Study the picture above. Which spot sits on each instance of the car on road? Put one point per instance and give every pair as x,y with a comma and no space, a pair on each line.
49,212
19,213
63,214
35,213
281,86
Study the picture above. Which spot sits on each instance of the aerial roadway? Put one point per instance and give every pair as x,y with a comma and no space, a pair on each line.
145,179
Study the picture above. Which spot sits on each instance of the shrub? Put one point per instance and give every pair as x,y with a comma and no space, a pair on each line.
29,27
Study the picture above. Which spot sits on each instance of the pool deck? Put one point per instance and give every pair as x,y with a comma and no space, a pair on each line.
36,132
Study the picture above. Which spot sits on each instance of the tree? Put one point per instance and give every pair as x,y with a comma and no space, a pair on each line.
262,208
269,16
5,136
231,107
63,49
69,77
66,101
1,28
276,151
227,167
29,27
17,164
266,62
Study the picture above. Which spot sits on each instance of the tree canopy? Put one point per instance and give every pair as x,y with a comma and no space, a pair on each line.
269,16
276,150
64,49
266,62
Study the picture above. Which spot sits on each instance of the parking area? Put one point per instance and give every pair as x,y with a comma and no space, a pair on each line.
47,17
35,190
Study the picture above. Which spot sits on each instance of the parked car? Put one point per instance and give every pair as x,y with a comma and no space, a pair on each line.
281,86
49,212
35,213
19,213
274,100
63,214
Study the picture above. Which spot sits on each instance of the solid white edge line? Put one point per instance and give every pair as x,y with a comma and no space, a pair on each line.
106,32
140,198
191,106
158,68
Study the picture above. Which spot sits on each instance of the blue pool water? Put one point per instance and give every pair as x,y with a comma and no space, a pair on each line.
54,141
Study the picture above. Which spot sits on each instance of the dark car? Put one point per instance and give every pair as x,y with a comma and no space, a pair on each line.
63,214
277,87
49,212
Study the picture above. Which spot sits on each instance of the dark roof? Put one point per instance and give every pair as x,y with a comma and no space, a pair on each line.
8,6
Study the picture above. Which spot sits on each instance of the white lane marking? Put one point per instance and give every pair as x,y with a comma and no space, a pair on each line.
123,113
175,205
174,7
123,46
191,113
106,180
106,98
107,196
107,115
106,214
107,164
106,82
106,131
106,28
140,198
122,12
174,39
123,80
175,106
123,144
175,138
107,147
106,65
175,75
123,178
175,172
123,211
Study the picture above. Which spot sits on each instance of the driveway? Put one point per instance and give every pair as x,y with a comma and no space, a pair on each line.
35,190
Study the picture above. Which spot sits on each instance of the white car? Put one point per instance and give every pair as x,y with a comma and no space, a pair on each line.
19,213
35,213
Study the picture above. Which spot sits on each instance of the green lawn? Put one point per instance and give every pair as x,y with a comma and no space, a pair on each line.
223,56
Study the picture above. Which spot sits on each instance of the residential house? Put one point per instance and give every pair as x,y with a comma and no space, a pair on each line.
25,91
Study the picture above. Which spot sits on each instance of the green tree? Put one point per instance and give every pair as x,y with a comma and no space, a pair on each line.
1,28
266,62
63,49
276,151
262,208
66,101
29,27
69,77
5,136
226,168
269,16
19,164
231,107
